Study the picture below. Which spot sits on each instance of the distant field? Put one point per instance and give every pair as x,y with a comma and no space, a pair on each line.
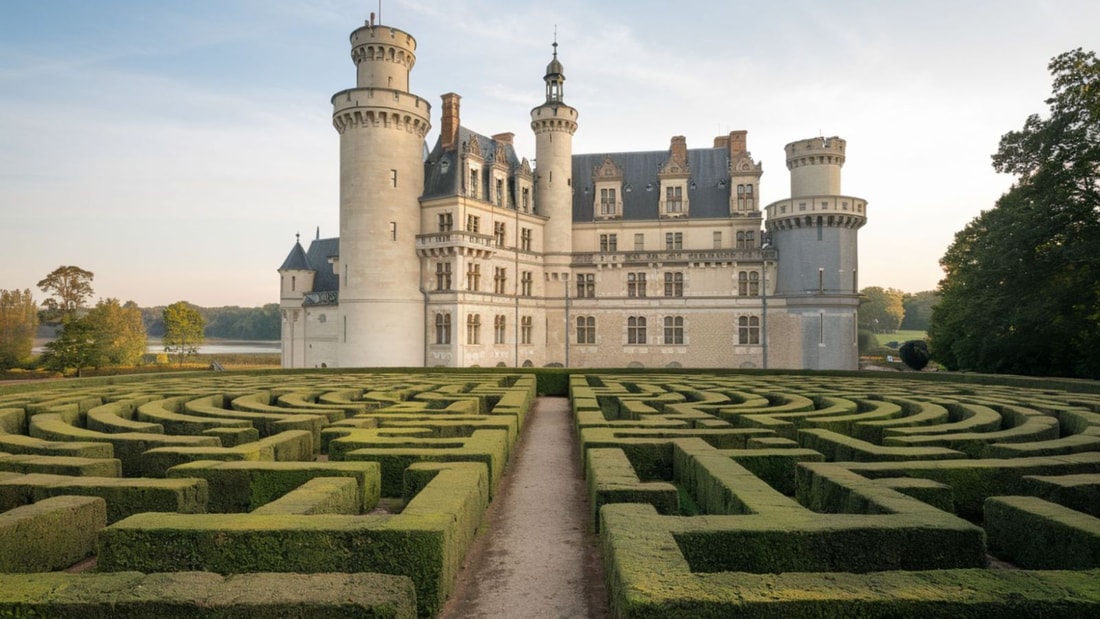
899,337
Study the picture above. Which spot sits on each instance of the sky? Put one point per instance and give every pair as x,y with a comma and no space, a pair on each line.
175,147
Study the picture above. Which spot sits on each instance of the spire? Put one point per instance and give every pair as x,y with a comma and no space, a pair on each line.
555,76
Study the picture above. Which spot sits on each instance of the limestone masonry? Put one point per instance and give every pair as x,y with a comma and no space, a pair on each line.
474,257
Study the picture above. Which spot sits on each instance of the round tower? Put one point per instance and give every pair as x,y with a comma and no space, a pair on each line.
815,232
554,124
382,128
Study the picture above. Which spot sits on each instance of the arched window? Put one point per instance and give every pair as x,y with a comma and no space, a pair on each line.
674,329
586,329
748,330
443,328
473,329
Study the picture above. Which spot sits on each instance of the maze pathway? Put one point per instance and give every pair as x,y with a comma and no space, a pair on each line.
537,554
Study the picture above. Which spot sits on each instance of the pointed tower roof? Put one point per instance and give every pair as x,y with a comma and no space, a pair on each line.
296,260
555,77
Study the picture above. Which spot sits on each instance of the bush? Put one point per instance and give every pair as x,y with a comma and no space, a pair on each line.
866,340
915,354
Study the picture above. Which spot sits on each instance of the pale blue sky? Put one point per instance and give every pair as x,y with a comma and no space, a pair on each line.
175,147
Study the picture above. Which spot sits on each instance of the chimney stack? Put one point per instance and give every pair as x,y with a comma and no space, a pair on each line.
679,150
448,133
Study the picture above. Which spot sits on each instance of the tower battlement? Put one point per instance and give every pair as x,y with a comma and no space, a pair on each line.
815,151
383,57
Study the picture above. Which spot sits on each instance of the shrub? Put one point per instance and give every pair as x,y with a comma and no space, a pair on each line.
914,354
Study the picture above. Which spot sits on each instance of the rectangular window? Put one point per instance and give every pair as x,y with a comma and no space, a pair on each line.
586,285
635,330
498,233
499,329
445,221
525,329
607,202
526,199
443,276
473,277
473,329
472,189
473,223
609,243
674,329
748,330
635,284
499,197
393,177
674,284
674,240
586,329
500,280
442,328
525,284
674,199
717,239
525,239
750,239
639,242
748,283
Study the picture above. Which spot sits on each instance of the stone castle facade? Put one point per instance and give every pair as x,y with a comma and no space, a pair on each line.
472,256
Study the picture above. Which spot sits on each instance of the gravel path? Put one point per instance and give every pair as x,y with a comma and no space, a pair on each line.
536,556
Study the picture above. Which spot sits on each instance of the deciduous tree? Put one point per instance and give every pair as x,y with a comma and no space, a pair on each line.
74,348
183,330
918,309
1021,292
119,331
18,323
881,309
70,287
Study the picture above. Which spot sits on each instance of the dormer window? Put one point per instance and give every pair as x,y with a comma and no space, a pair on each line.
674,199
608,204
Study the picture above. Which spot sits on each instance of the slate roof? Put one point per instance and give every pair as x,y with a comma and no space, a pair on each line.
708,187
296,259
316,260
442,169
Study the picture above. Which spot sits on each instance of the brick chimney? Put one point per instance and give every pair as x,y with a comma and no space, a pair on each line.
738,141
678,150
448,133
504,138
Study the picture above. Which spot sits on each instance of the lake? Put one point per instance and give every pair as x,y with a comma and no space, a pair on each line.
215,347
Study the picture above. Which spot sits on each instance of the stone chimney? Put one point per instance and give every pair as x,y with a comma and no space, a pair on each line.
504,138
722,141
678,150
448,133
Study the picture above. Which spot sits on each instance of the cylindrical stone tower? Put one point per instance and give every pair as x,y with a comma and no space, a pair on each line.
554,124
382,128
815,232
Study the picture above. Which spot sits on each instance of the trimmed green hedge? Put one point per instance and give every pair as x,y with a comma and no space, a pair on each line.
124,497
1037,534
185,595
51,534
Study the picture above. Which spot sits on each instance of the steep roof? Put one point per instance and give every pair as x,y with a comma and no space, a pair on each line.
442,177
320,252
296,259
708,188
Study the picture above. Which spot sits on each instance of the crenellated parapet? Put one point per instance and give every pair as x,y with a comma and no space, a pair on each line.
554,118
380,108
812,211
383,57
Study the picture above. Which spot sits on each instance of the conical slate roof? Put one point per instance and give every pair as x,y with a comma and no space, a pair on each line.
296,259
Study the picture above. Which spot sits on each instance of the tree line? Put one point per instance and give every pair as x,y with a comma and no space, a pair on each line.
112,333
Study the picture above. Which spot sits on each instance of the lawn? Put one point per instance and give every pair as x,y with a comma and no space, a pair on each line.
899,336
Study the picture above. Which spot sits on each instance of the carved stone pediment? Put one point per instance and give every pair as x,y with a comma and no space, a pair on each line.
524,168
674,168
607,171
744,164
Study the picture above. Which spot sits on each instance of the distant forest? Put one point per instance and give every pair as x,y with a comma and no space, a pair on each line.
227,323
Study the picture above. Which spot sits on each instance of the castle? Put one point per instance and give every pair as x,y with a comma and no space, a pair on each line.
472,256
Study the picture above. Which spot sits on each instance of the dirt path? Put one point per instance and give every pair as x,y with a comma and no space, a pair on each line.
536,557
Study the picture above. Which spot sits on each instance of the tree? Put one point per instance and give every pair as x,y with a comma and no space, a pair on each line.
70,286
18,323
119,332
918,310
75,347
183,330
881,309
1021,291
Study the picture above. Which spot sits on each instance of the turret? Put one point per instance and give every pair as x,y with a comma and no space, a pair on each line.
382,128
554,124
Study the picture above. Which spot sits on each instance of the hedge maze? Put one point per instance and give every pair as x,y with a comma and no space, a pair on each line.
814,496
251,495
358,494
